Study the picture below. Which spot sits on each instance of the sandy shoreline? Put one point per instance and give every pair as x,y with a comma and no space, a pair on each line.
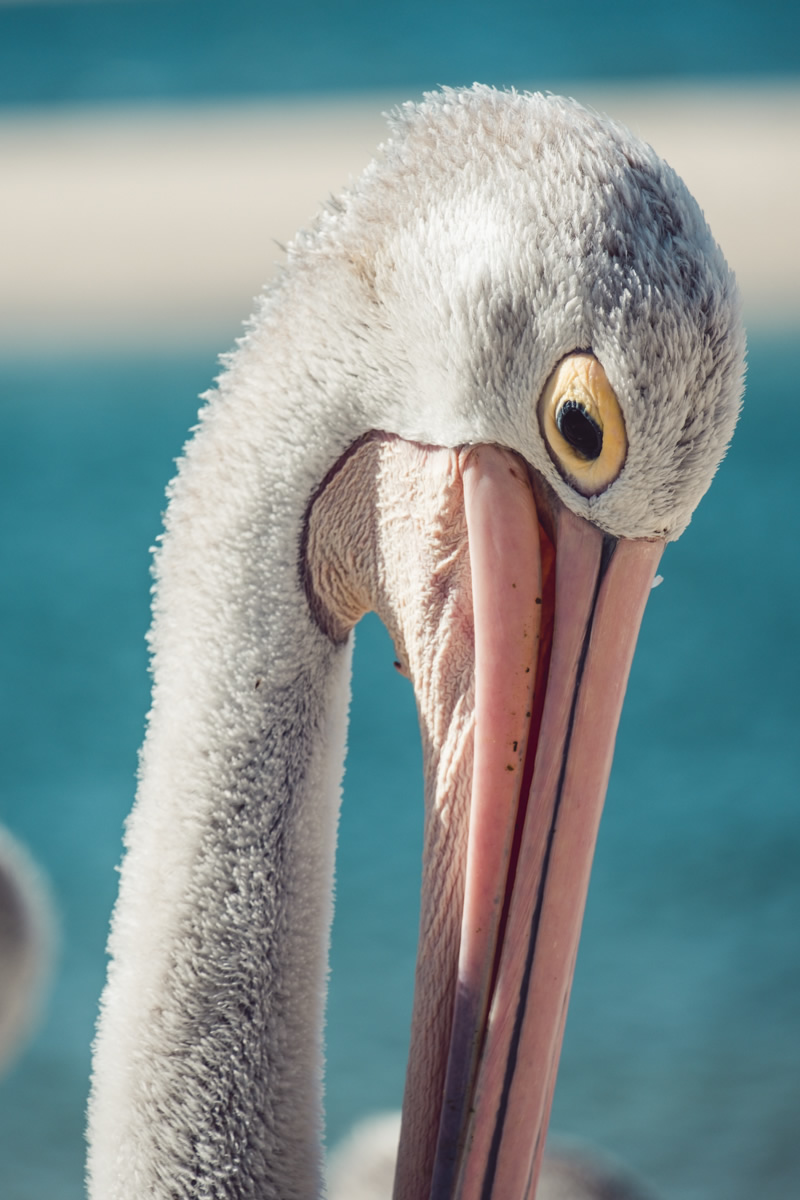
157,227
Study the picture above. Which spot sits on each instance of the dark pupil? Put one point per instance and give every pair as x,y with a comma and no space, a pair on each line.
579,429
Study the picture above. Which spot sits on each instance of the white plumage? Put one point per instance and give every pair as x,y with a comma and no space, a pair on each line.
495,234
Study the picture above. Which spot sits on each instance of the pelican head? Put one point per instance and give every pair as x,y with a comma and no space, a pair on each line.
493,381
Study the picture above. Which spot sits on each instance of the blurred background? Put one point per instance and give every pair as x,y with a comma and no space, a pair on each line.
154,157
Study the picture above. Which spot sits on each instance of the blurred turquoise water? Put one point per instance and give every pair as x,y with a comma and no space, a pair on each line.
683,1050
183,49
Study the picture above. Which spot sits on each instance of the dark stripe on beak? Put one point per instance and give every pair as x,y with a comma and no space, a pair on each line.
609,545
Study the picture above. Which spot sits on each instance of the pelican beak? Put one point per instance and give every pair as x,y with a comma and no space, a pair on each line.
557,607
517,621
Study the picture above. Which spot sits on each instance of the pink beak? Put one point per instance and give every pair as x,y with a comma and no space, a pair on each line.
557,607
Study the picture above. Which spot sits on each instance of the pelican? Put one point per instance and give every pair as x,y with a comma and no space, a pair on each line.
494,380
26,944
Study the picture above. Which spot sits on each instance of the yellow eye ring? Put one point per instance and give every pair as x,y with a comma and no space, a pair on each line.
582,424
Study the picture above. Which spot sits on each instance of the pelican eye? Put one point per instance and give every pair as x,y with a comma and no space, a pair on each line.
583,425
579,428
